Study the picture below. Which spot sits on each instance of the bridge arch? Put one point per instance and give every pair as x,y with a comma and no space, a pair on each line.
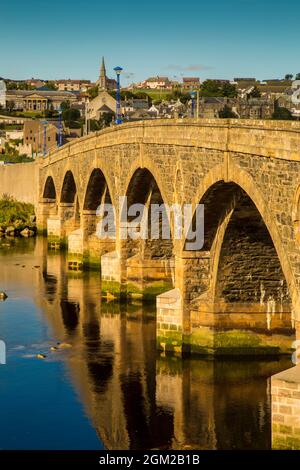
69,189
69,203
49,189
96,189
239,188
97,192
147,164
143,188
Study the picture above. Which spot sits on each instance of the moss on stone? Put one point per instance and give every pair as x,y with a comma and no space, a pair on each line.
58,243
205,341
292,443
284,429
170,342
153,289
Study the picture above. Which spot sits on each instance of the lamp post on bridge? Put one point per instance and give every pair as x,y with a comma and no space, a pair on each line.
119,119
60,127
193,96
45,123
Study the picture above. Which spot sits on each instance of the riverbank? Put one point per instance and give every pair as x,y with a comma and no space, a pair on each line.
16,218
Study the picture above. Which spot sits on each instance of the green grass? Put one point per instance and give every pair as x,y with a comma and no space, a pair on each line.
11,211
154,94
15,159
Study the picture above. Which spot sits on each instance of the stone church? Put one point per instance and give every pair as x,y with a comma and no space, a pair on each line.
104,102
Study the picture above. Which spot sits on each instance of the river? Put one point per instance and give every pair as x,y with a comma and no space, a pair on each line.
110,388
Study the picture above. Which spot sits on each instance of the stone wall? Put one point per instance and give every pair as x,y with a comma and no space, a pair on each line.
20,181
286,409
249,269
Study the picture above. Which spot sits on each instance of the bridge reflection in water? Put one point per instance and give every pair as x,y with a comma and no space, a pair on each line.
137,398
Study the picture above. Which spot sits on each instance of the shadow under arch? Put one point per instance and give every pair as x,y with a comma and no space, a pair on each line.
69,203
98,209
97,191
69,189
143,189
49,189
239,183
147,165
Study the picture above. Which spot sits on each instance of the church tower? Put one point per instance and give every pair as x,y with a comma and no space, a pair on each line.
102,76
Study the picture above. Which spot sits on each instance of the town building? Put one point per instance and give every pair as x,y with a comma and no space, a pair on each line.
291,99
255,108
191,83
39,136
295,92
36,82
103,103
156,83
74,85
209,107
38,100
133,104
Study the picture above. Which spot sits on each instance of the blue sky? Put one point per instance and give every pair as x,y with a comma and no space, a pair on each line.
210,39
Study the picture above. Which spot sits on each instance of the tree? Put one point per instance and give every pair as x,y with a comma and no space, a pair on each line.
93,92
255,93
11,85
71,117
65,105
178,95
297,76
50,113
106,119
141,95
51,85
226,113
289,76
215,88
229,90
24,86
10,105
283,114
210,88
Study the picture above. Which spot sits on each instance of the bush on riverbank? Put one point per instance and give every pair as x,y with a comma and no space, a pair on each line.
16,214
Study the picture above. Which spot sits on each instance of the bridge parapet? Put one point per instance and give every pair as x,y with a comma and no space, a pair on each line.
275,139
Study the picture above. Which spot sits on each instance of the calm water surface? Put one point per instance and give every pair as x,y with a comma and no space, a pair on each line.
111,389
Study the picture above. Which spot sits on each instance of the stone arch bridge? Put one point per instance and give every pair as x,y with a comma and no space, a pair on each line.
240,292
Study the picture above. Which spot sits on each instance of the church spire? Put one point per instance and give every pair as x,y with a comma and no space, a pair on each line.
103,69
102,77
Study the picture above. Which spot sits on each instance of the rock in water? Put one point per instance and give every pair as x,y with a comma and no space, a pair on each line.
64,345
10,231
27,233
3,296
109,297
41,356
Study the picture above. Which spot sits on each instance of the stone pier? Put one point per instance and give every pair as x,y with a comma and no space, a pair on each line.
285,391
